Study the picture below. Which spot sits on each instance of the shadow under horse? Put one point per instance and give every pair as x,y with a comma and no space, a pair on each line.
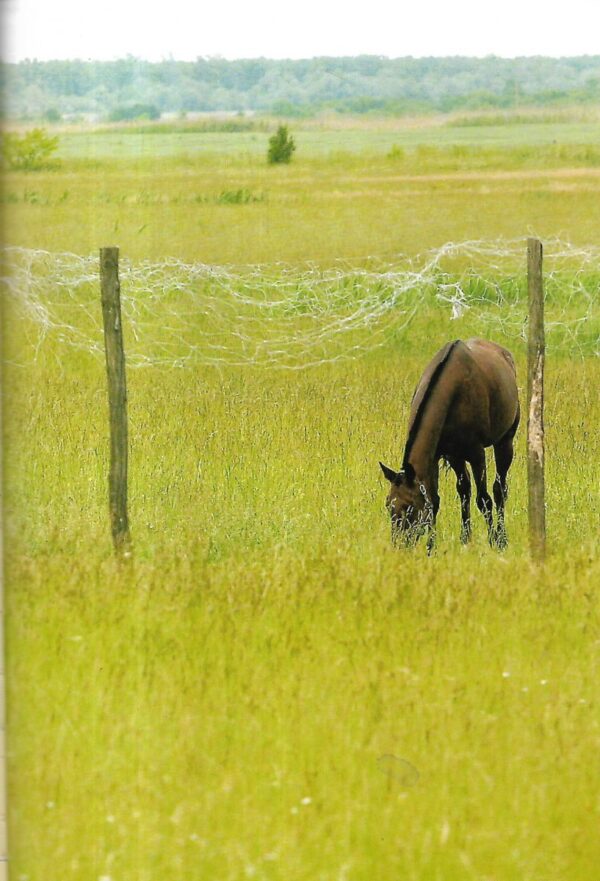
466,400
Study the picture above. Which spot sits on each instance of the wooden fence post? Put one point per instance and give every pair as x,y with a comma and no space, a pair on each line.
535,401
3,803
117,398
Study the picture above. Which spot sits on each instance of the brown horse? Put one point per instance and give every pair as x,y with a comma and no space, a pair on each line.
466,400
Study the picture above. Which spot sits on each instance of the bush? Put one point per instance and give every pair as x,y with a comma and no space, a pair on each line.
397,153
281,146
237,197
29,152
134,111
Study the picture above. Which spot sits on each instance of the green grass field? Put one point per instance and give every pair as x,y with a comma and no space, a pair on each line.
345,195
269,690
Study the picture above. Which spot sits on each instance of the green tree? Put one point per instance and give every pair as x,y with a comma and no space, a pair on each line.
281,146
29,152
134,111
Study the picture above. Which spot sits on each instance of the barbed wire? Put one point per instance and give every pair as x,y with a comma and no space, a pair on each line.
277,315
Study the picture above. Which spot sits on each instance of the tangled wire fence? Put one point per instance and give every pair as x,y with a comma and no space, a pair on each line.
275,315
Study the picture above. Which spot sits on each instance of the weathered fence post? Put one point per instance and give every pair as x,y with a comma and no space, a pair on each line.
117,398
535,401
3,836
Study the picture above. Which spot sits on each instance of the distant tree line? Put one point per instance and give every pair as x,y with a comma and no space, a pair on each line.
130,87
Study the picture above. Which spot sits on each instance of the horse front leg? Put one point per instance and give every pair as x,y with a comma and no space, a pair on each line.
483,498
431,519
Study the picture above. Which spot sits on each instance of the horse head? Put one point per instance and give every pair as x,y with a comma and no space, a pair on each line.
407,502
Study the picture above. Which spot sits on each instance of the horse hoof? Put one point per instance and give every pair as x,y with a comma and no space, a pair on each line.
499,540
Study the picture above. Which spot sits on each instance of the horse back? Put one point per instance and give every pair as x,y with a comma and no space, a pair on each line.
486,401
477,398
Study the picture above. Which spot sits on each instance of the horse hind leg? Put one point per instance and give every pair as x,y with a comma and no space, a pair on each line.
483,498
503,454
463,488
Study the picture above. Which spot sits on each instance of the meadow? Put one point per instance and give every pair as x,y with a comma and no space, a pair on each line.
349,193
268,689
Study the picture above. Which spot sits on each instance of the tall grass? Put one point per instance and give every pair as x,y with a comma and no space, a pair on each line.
269,690
224,705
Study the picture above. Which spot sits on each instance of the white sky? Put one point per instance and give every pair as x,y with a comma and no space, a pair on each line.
184,29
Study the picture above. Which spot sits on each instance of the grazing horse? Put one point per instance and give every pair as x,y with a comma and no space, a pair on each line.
466,400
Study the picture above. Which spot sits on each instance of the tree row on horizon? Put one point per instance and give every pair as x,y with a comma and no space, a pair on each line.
361,84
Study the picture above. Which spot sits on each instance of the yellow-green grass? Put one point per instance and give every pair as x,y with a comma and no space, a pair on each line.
268,646
310,210
351,191
238,702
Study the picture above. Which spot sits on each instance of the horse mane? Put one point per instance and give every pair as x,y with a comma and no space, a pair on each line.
433,380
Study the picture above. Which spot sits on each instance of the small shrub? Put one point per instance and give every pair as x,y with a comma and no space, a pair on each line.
231,197
281,146
132,112
237,197
397,153
29,152
32,197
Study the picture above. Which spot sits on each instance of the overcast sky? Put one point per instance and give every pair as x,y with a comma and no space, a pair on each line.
184,29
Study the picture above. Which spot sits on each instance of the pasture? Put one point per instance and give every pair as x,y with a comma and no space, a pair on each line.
269,690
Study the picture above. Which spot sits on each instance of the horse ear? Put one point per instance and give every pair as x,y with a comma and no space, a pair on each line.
388,473
409,473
